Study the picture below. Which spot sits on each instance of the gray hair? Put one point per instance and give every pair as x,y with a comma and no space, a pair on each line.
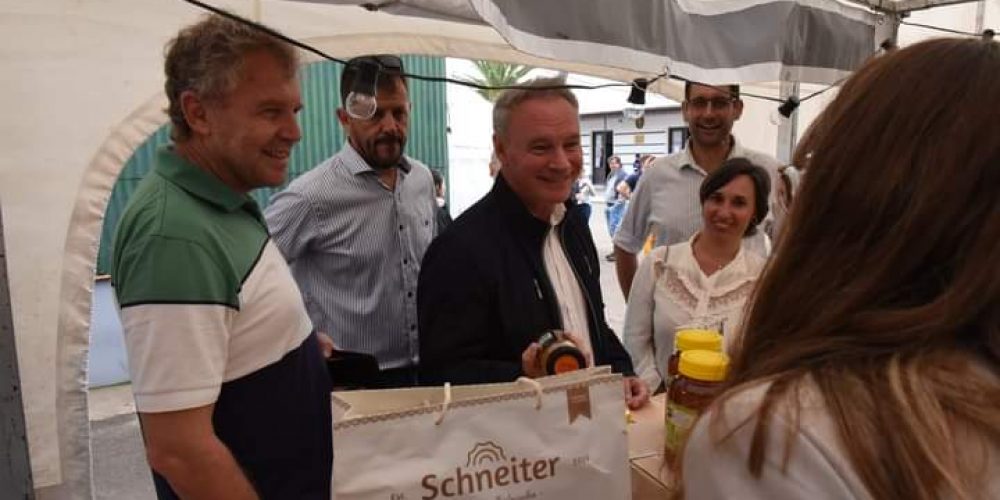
207,58
539,88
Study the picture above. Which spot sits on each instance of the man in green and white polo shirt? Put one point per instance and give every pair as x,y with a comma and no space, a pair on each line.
229,381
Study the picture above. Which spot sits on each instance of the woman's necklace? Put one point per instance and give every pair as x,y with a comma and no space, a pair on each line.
709,265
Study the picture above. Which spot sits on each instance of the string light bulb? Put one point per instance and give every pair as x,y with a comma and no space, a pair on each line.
783,112
635,107
361,101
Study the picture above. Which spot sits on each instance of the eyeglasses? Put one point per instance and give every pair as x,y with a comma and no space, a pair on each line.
720,103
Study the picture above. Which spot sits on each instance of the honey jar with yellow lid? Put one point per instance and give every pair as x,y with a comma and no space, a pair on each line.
688,339
700,377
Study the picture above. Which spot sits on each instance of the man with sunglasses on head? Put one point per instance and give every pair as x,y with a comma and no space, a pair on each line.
665,202
354,229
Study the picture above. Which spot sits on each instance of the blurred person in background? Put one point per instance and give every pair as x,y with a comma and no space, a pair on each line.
442,216
789,179
583,190
614,202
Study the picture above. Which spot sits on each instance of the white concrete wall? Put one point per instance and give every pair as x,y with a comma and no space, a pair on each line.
469,140
70,73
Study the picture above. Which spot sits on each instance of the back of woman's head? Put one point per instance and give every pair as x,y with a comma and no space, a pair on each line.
897,225
892,266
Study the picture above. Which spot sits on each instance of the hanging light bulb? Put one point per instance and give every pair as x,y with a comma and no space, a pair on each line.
783,112
361,102
635,108
633,111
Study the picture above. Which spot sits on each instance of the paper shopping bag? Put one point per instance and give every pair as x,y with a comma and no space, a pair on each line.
560,437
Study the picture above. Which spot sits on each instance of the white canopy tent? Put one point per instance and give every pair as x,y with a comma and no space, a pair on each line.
720,41
81,86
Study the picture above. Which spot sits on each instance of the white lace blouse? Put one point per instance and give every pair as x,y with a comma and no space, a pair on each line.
671,291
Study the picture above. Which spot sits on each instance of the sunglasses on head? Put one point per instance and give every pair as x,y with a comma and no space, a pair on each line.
384,62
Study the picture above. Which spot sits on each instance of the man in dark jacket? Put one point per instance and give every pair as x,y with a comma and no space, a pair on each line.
520,261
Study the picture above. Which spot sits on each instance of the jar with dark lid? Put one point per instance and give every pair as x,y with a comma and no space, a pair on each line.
689,339
559,354
699,379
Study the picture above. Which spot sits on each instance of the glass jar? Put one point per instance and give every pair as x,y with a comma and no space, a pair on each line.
700,377
689,339
559,354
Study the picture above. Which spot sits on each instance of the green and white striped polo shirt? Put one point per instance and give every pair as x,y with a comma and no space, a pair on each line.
205,296
212,315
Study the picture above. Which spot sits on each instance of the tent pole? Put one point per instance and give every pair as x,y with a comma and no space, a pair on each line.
787,130
15,465
980,16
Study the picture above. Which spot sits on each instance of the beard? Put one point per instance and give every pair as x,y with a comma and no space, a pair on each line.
384,151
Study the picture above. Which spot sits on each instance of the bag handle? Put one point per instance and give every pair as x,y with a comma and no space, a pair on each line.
536,386
446,401
444,404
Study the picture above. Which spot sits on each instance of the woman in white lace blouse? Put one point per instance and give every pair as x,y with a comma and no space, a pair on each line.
704,281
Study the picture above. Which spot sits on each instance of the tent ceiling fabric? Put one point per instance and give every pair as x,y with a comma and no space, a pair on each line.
82,88
906,5
744,41
348,30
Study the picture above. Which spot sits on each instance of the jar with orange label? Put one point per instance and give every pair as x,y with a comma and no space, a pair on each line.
699,379
558,354
688,339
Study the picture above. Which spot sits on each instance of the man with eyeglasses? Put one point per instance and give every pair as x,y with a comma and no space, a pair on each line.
354,230
665,202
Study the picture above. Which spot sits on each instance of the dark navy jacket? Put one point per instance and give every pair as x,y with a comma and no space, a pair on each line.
484,296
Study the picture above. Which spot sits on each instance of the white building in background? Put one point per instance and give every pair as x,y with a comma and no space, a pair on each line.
608,133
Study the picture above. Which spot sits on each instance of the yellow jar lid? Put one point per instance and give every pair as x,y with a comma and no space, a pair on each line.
694,339
708,366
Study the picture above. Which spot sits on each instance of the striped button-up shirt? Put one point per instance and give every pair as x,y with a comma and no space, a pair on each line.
355,248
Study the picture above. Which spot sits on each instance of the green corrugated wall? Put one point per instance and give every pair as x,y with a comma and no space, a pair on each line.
321,135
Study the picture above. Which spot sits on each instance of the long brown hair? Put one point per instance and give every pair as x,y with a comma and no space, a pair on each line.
886,290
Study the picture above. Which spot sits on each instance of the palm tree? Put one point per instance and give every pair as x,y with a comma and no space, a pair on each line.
496,74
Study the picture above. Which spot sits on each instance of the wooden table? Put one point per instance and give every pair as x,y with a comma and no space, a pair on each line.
646,435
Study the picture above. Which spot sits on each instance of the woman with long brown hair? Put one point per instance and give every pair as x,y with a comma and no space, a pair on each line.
869,366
